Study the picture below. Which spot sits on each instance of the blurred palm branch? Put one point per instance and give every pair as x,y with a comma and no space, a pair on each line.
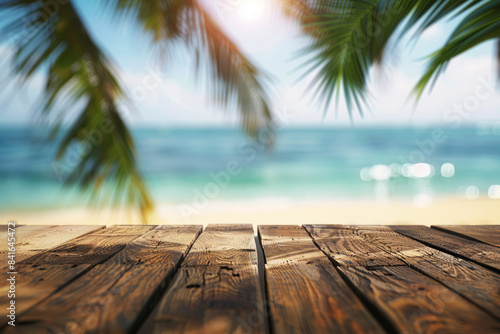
349,37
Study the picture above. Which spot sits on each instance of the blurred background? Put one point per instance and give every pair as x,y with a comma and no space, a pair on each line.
436,161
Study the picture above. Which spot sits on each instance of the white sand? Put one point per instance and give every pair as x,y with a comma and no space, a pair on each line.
443,211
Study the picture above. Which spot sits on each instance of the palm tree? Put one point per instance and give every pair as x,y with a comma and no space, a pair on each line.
49,36
350,36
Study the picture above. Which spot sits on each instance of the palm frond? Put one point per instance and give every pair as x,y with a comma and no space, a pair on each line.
80,78
429,12
498,58
160,18
232,79
301,10
348,38
480,25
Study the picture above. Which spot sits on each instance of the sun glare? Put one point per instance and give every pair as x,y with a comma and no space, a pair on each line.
252,10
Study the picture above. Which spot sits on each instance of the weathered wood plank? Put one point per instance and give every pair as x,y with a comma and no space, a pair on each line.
50,238
483,254
23,233
223,245
164,244
78,254
414,303
288,243
489,234
212,299
90,249
19,234
306,293
116,296
216,290
347,248
472,281
38,282
35,283
28,229
3,229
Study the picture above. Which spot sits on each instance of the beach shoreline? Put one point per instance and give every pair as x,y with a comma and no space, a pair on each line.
442,211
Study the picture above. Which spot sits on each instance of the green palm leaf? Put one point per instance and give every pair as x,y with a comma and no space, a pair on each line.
232,79
480,25
350,36
79,74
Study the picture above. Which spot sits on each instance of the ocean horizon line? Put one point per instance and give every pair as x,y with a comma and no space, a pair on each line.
342,126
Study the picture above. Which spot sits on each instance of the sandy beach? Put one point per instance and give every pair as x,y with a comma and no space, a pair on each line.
278,212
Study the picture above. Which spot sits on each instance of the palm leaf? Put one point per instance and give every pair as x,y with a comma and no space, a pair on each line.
429,12
480,25
232,79
78,74
350,36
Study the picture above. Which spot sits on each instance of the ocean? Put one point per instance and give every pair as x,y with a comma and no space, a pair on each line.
415,164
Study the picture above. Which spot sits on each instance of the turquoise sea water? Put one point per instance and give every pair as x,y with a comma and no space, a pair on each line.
305,164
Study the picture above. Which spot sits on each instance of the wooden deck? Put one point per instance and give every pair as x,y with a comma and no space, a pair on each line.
288,279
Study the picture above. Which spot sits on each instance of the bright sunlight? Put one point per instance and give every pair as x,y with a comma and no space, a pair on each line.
252,10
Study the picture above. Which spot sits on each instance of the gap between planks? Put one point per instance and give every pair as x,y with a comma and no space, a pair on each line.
216,289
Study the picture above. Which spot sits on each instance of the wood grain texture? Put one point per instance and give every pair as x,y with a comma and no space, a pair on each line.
116,296
212,299
472,281
216,290
313,298
22,234
50,238
347,248
90,249
287,244
489,234
414,303
277,234
27,229
35,283
306,294
164,244
4,228
480,253
228,245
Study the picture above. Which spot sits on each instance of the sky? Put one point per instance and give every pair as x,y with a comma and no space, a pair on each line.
174,98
